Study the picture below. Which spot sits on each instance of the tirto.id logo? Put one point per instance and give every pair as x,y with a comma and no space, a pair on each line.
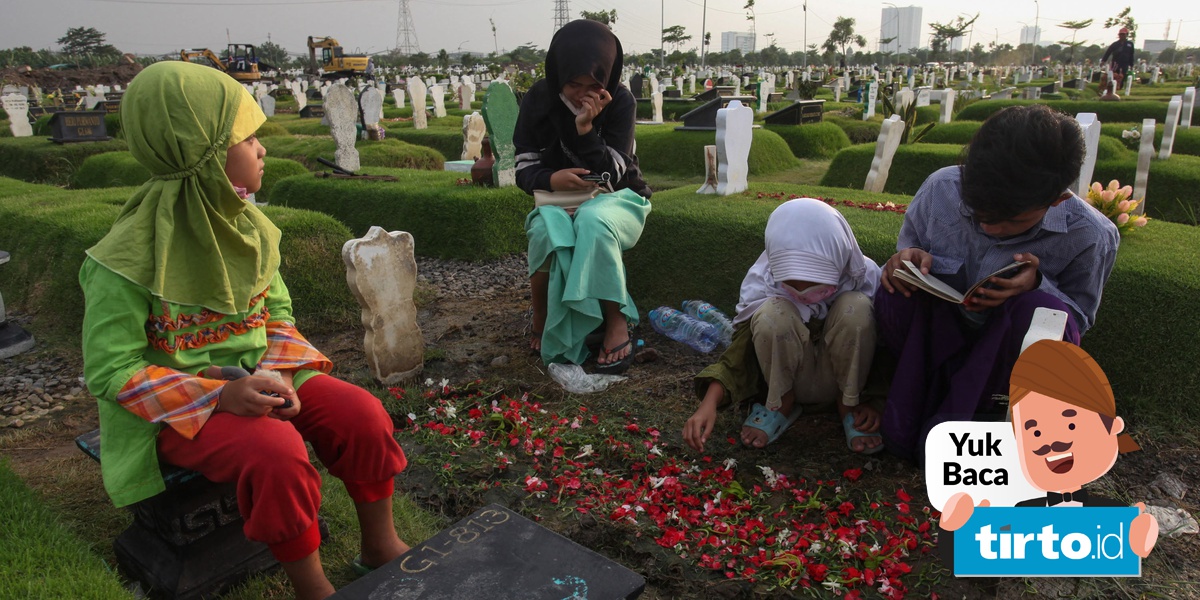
1076,541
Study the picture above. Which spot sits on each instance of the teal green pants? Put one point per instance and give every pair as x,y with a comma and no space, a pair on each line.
584,254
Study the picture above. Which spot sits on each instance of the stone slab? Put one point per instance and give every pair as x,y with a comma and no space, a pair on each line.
498,555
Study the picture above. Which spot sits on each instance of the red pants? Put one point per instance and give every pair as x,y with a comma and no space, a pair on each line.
278,490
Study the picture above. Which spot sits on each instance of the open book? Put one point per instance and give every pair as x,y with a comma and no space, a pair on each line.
937,287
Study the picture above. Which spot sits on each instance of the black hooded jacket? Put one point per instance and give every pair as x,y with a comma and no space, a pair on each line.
545,137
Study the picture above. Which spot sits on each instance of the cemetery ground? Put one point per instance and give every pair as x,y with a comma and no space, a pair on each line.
484,422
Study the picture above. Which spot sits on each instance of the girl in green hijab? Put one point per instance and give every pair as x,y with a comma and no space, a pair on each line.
187,283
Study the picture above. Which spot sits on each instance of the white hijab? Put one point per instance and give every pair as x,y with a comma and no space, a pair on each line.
806,240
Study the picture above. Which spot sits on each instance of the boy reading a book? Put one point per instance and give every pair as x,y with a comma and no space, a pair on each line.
1008,201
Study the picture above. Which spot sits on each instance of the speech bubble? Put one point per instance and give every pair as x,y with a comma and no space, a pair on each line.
995,452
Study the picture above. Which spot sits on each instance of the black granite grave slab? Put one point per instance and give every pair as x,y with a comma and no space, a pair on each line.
704,118
109,106
83,126
1050,88
803,111
635,85
496,554
312,111
1074,84
717,91
673,94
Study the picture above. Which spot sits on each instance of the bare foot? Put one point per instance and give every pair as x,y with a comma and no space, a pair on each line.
538,326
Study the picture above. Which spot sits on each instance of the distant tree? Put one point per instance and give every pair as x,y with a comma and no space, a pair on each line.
1074,26
85,40
1121,20
842,37
420,60
673,36
273,54
468,60
608,17
943,33
443,59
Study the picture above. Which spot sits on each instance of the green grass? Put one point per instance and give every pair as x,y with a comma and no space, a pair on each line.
38,160
911,165
390,152
1132,111
661,149
814,140
42,558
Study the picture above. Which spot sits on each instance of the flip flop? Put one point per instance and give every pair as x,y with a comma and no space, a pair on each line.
771,422
620,366
851,433
358,566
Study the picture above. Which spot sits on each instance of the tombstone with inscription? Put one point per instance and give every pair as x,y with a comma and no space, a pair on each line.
1145,154
1189,104
734,134
473,131
1169,127
87,126
922,96
656,100
947,105
885,149
382,274
1090,126
715,92
704,117
500,111
799,113
497,554
635,84
341,108
416,93
371,104
1003,94
872,98
466,93
16,107
313,111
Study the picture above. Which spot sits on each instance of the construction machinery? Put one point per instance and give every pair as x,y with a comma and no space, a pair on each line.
334,60
242,64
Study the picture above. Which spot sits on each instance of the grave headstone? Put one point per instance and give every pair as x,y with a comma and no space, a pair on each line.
17,108
500,111
872,98
1189,104
1031,93
382,274
1128,84
799,113
473,131
710,171
466,92
734,134
398,97
1003,94
499,555
692,85
948,96
903,98
370,102
837,90
1145,153
439,101
885,149
1169,127
635,84
656,99
416,93
67,127
922,96
267,104
313,111
704,117
1090,126
341,109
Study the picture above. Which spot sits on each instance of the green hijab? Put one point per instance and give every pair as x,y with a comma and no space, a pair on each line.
186,235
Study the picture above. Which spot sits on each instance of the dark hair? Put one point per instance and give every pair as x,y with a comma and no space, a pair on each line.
1022,158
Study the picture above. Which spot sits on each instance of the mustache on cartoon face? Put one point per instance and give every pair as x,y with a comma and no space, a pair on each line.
1055,447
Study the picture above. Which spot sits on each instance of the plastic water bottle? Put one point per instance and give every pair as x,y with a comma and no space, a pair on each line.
680,327
712,315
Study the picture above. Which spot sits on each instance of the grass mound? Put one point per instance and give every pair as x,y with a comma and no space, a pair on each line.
858,130
120,169
912,164
815,140
38,160
1115,112
387,153
661,149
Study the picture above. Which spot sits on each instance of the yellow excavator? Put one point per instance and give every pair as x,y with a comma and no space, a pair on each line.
242,64
334,60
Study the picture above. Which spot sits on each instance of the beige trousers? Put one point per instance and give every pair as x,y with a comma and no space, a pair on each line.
821,361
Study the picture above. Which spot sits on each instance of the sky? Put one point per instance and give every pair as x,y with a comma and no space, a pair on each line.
151,27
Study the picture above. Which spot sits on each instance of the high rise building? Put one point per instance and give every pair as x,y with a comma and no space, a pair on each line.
741,40
1031,35
903,26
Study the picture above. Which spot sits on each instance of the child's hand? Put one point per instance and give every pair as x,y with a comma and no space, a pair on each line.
917,256
1003,288
245,398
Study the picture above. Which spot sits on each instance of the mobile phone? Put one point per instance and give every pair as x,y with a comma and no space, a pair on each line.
595,177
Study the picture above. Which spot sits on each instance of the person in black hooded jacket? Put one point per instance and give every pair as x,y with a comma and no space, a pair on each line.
579,121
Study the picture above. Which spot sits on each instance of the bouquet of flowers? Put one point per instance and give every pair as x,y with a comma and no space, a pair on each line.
1132,137
1115,203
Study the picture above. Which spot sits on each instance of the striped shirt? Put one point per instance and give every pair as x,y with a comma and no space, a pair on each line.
1075,244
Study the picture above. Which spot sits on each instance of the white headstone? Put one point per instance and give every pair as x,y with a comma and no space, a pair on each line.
439,101
382,274
711,168
267,103
912,81
679,85
947,105
922,97
1154,75
341,110
1090,126
1189,104
298,94
398,96
872,98
1145,153
416,91
692,85
1129,83
474,129
885,148
656,99
837,90
734,135
17,107
465,94
1169,127
371,102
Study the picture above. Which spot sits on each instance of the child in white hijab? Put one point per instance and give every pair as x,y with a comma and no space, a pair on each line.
804,332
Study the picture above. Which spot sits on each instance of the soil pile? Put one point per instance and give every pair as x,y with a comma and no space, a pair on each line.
67,79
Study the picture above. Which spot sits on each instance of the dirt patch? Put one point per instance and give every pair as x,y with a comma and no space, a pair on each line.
67,79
